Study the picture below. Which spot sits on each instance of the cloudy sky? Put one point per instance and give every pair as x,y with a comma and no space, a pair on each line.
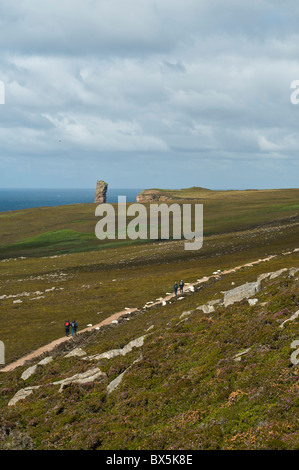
149,93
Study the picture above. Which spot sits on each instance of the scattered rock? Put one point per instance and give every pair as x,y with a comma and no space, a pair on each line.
185,314
261,277
293,271
45,361
89,376
276,274
76,352
252,301
206,308
292,318
214,302
21,394
112,386
242,292
238,357
150,328
137,343
28,372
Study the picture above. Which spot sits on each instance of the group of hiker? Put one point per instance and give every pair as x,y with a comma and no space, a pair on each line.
180,285
72,325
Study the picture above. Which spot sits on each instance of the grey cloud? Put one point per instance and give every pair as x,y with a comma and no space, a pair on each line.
168,81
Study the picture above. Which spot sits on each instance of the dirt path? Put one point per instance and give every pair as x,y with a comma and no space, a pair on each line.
49,347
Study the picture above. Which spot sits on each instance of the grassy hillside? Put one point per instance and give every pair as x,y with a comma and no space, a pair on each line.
183,389
71,229
186,391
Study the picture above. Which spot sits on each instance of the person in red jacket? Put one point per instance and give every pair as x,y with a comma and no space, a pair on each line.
67,328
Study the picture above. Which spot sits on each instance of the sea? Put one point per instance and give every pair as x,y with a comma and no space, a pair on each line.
16,199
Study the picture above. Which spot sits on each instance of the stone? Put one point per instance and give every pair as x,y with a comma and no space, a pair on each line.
21,394
112,386
241,292
185,314
136,343
45,361
276,274
293,271
206,308
101,192
115,383
238,356
214,302
28,372
86,377
152,195
77,352
252,301
261,277
292,318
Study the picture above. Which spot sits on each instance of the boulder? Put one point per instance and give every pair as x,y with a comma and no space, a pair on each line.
112,386
28,372
293,271
86,377
77,352
21,394
241,292
276,274
45,361
206,308
136,343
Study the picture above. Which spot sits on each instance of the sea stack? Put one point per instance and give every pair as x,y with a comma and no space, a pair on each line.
101,192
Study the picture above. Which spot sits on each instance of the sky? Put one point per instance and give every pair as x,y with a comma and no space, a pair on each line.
146,93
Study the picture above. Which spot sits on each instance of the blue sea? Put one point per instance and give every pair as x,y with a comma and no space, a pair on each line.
16,199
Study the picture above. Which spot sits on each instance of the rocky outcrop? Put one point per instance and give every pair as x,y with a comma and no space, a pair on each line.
86,377
292,318
242,292
238,357
77,352
136,343
115,383
152,195
32,369
21,394
101,192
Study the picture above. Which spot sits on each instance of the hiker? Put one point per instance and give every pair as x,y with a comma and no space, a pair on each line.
182,286
175,288
67,328
74,328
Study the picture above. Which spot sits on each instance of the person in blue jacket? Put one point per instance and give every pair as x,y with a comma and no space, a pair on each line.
74,327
